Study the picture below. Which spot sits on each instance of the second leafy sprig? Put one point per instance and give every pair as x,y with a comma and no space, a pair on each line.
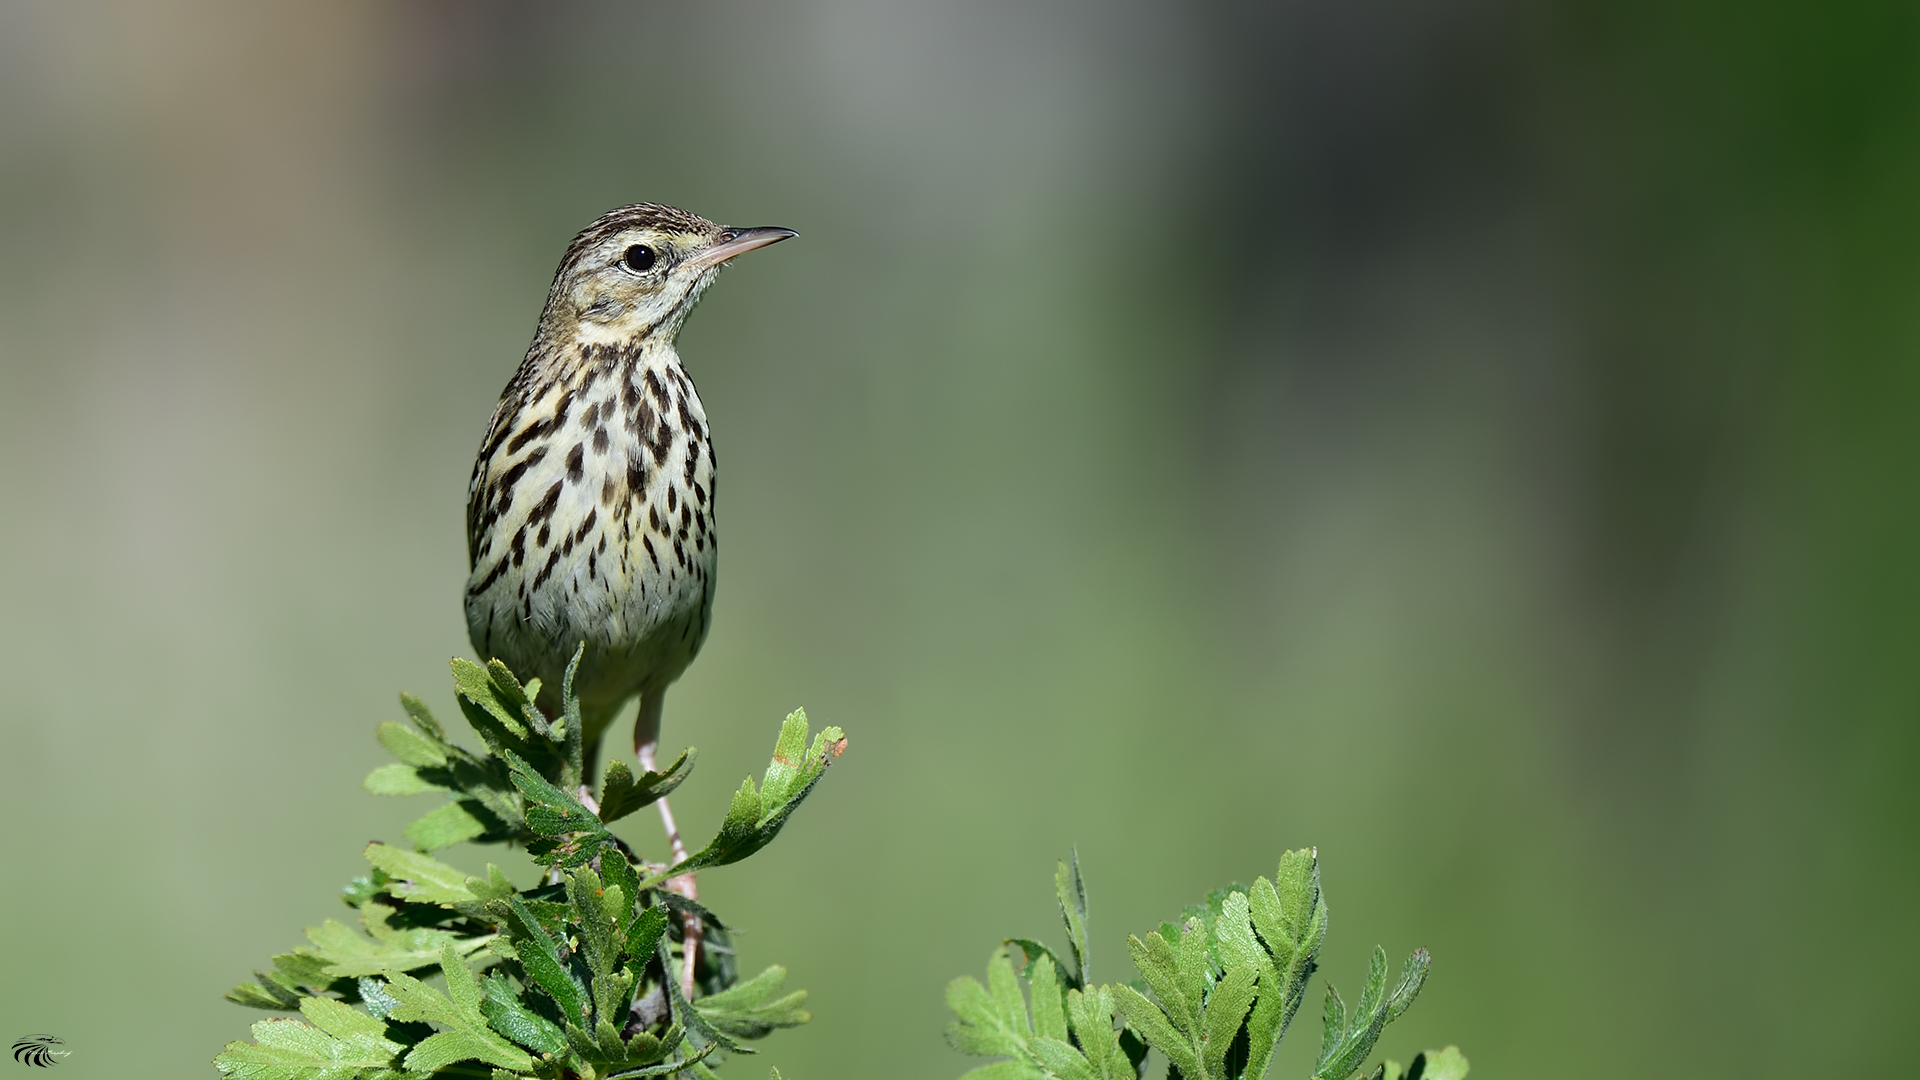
574,977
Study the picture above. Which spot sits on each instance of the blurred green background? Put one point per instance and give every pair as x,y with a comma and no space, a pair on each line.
1476,438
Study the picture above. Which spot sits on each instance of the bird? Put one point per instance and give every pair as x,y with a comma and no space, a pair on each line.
590,511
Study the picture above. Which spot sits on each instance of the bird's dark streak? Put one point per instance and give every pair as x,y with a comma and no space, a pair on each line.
609,492
544,508
576,462
586,523
487,582
647,541
591,417
673,498
518,549
688,423
541,577
600,440
636,478
546,531
504,484
630,399
653,516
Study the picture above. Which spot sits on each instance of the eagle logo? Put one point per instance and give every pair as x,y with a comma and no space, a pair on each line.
39,1050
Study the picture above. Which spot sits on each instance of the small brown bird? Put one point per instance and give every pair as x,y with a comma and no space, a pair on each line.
590,513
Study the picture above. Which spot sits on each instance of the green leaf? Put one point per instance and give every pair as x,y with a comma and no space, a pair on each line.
1227,1005
410,746
1146,1018
1160,966
505,703
447,825
467,1035
1049,1000
264,993
749,1010
504,1011
1348,1039
419,877
757,816
1072,895
621,794
342,1043
550,810
1090,1013
1447,1064
339,952
398,778
417,711
540,955
985,1026
645,932
599,913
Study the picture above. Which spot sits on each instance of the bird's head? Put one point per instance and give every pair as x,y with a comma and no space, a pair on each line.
636,272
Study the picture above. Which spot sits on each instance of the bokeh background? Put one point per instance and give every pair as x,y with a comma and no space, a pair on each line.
1477,438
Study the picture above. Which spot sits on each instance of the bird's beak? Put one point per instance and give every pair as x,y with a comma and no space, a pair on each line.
738,241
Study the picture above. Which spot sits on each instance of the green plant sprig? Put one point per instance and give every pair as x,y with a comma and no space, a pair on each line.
572,978
1217,993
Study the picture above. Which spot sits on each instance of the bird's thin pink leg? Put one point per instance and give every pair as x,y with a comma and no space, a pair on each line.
646,743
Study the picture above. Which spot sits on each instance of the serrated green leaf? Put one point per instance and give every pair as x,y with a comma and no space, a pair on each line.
696,1024
1413,976
1072,895
410,746
1347,1039
550,811
467,1035
621,794
1227,1005
508,1016
753,819
264,993
339,1043
418,712
398,778
419,877
447,825
789,759
494,886
1158,964
1153,1025
1090,1012
1049,1005
749,1010
596,911
340,952
476,684
540,955
1059,1060
644,935
1447,1064
1193,970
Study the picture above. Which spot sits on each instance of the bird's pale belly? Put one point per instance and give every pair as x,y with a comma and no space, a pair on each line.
599,530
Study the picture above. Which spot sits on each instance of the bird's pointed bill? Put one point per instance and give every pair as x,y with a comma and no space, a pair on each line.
738,242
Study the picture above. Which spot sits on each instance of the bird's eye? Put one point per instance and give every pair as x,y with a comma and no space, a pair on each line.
639,258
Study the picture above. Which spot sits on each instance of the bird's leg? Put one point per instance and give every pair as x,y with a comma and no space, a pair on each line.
646,743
